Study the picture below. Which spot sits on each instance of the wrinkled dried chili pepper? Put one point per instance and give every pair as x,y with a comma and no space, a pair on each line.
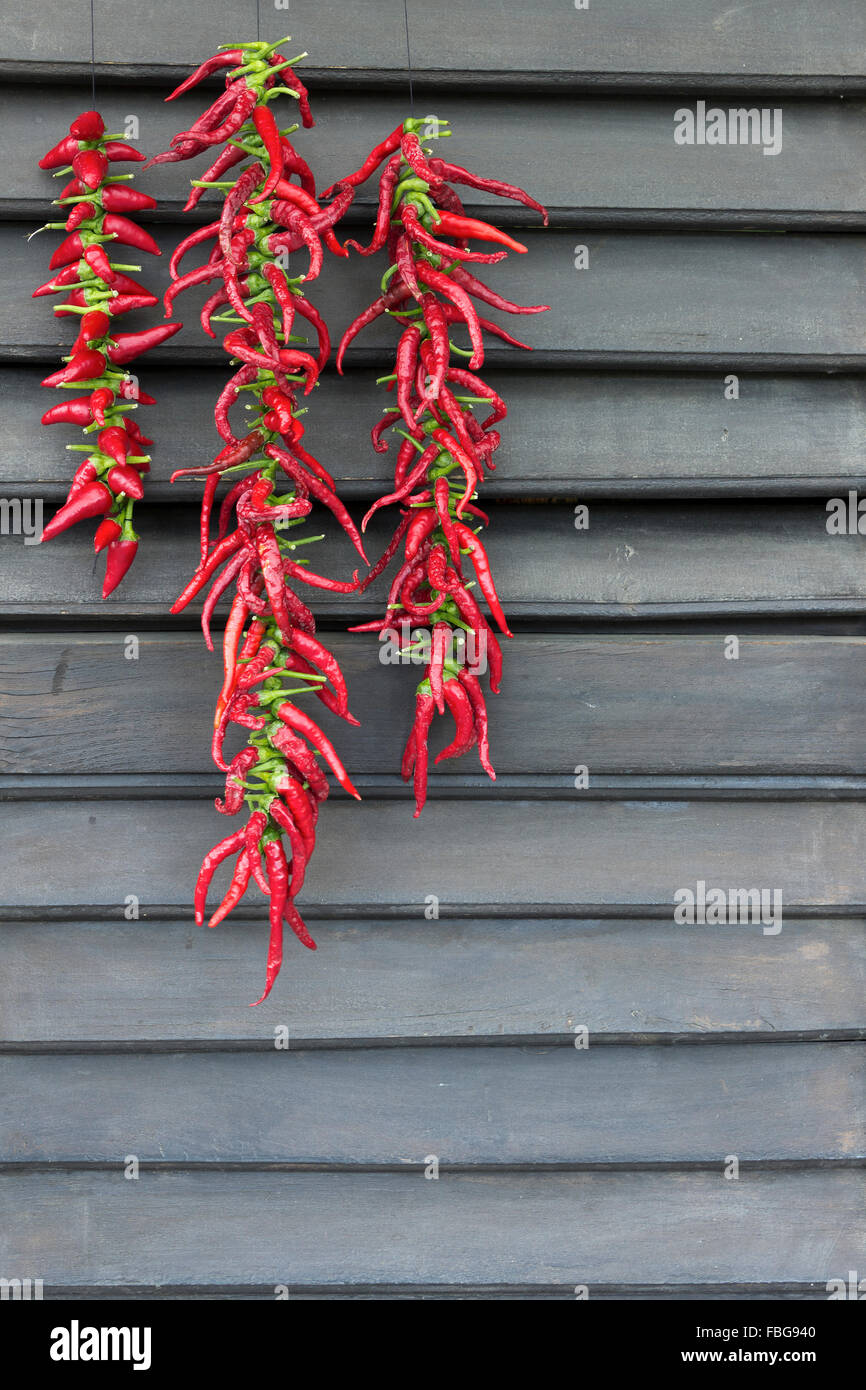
445,450
99,291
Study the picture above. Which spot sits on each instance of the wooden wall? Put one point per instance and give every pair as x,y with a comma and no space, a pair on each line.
454,1036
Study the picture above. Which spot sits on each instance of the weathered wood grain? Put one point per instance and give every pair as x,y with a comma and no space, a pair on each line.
743,297
148,983
642,560
593,154
623,854
661,704
636,38
567,433
333,1231
473,1107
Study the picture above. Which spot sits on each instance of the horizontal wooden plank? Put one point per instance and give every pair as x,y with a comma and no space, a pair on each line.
593,154
332,1231
747,297
660,704
622,854
636,434
472,1107
643,38
731,558
488,980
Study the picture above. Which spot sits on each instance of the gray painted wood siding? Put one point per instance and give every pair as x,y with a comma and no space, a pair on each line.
450,1031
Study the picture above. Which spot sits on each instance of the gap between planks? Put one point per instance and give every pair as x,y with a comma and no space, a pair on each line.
472,81
432,1292
158,1046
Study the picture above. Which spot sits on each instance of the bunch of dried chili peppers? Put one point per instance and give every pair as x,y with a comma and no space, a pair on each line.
444,449
108,483
270,649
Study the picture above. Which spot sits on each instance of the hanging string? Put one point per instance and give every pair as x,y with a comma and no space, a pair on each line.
409,58
92,54
258,22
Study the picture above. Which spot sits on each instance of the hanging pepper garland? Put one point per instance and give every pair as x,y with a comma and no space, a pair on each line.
444,448
108,483
270,650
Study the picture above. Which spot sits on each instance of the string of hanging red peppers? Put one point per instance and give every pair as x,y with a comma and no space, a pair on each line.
444,448
270,649
108,483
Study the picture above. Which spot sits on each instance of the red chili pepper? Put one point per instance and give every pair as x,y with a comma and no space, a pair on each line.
130,390
229,157
285,820
84,365
232,58
452,315
99,264
120,304
323,494
466,463
216,592
420,527
482,568
212,861
385,303
94,326
60,154
419,233
107,531
442,497
301,808
233,629
67,276
502,190
461,301
102,399
120,227
458,703
424,706
75,412
423,462
272,570
91,500
121,554
371,163
479,711
82,212
116,442
263,120
312,315
88,126
296,718
218,555
308,646
119,197
279,877
488,296
452,225
71,249
237,888
416,159
118,151
470,611
126,346
206,233
439,641
90,167
255,829
124,479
